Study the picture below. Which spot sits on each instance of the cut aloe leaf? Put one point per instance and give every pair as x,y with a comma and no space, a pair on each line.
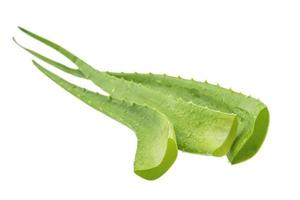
156,147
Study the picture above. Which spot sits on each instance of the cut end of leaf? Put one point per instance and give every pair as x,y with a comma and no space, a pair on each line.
166,163
250,148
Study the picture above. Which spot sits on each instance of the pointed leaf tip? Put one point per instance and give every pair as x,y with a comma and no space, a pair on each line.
15,40
36,64
17,43
22,29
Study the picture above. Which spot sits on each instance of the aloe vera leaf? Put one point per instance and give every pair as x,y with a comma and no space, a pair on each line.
252,114
198,129
156,148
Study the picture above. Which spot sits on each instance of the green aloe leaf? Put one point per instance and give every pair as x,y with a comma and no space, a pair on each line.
207,119
156,147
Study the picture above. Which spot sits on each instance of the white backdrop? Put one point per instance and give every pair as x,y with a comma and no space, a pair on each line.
52,146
